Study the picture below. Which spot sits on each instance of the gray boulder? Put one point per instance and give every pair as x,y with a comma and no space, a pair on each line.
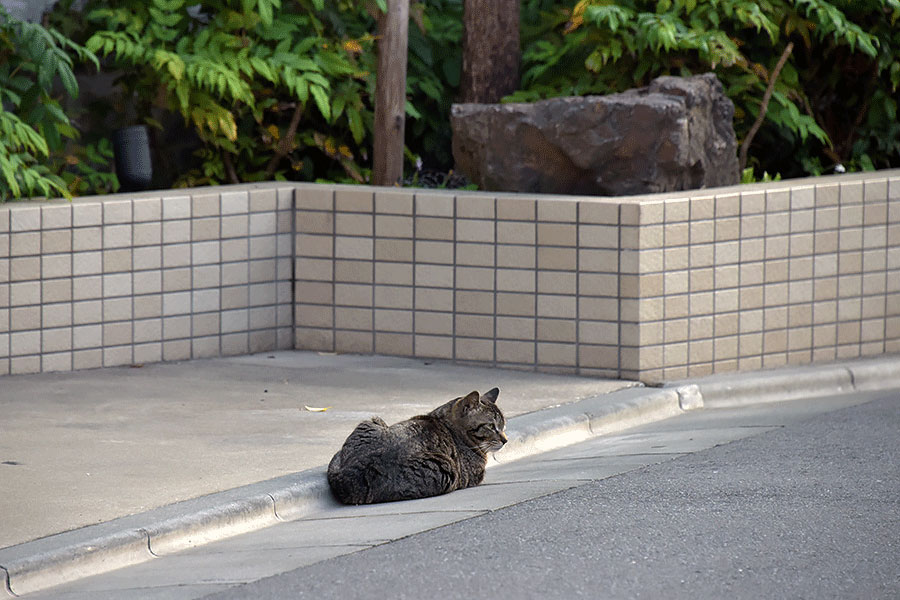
674,134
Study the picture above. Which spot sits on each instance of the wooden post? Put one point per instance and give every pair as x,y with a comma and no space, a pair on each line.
490,63
390,94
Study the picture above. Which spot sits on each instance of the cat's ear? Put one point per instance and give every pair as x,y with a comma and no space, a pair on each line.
464,404
491,396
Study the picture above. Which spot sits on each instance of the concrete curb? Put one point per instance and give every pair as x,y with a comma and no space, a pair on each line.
547,430
794,383
96,549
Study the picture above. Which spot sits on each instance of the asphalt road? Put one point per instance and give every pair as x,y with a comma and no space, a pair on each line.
807,509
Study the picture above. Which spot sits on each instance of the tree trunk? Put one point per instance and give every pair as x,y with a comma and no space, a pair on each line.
390,94
490,64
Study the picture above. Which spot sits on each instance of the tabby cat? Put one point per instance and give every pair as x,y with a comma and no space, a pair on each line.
426,455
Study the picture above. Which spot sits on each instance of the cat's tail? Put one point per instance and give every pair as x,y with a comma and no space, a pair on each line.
337,481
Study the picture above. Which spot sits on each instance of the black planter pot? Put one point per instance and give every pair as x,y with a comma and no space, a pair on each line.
134,166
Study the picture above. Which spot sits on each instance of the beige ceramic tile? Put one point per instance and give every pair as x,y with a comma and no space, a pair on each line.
875,190
481,326
87,214
315,198
602,261
433,252
434,204
235,344
434,299
436,323
175,280
87,238
87,359
475,206
205,301
476,254
393,226
263,318
472,230
353,271
597,309
562,259
556,282
314,269
205,205
346,318
434,276
392,296
87,336
524,257
474,302
393,203
701,303
393,320
179,207
348,294
474,278
515,208
802,221
393,273
430,346
394,344
315,222
515,352
176,350
353,224
145,234
25,243
470,349
434,228
516,328
513,304
361,201
232,203
556,330
119,260
353,247
263,246
53,217
354,341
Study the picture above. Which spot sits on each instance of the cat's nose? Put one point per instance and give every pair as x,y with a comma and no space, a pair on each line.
503,438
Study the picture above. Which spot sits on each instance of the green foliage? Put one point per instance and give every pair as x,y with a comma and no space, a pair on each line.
33,126
432,79
90,169
284,89
835,101
238,71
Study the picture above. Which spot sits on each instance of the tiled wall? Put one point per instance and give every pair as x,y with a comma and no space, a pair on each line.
655,288
124,280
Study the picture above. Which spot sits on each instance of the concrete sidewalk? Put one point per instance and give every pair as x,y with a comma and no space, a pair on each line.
107,468
86,447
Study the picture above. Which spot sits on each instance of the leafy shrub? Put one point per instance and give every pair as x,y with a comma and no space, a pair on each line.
432,80
834,102
34,128
269,86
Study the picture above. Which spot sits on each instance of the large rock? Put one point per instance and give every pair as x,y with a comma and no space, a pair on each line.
675,134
